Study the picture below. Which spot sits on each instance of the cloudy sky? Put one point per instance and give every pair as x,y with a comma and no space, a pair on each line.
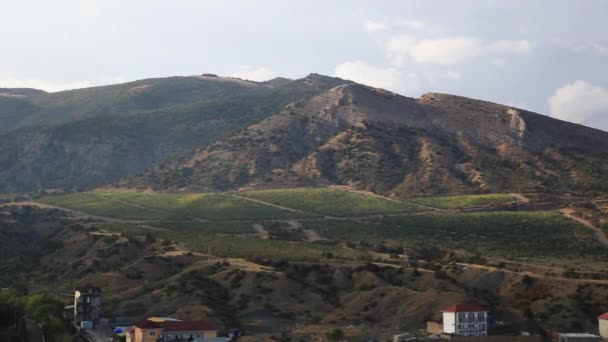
545,55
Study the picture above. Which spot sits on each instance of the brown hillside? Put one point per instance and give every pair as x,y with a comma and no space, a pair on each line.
376,140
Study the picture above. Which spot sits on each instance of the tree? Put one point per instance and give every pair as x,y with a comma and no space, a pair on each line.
335,335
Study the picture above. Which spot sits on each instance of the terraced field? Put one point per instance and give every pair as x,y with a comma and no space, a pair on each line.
504,233
94,204
453,202
137,205
223,245
245,223
330,202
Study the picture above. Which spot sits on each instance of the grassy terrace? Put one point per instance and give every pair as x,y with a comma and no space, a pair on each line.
213,206
218,227
94,204
509,234
453,202
249,248
330,202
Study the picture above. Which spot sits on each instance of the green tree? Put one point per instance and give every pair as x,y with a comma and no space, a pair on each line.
335,335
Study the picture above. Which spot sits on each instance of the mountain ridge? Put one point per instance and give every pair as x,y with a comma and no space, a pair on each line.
425,142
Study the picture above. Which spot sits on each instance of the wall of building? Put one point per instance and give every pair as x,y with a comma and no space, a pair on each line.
449,322
209,334
434,328
456,338
604,329
471,323
142,335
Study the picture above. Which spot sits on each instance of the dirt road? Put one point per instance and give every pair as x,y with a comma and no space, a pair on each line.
599,234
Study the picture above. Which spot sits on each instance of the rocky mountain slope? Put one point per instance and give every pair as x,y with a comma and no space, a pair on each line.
372,139
88,137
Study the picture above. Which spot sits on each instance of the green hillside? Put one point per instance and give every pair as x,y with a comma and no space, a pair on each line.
88,137
237,224
330,202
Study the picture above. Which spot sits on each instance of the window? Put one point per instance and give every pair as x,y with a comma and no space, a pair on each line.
152,333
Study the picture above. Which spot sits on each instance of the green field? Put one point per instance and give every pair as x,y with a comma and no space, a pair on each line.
248,248
330,202
453,202
218,227
509,234
123,205
94,204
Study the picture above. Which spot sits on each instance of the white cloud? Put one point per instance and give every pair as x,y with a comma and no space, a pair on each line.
454,75
412,24
513,46
387,78
579,102
362,72
373,26
53,86
448,50
254,74
592,47
43,85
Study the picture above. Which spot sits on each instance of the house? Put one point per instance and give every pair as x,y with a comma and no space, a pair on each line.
87,304
603,326
171,330
465,320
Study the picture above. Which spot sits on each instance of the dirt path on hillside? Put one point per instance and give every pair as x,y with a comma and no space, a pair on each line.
130,204
599,234
536,275
262,233
274,205
83,215
520,197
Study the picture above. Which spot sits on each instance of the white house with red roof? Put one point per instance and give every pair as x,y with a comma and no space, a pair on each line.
603,326
171,330
465,320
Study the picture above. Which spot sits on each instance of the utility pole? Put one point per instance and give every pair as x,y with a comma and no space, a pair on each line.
406,261
209,254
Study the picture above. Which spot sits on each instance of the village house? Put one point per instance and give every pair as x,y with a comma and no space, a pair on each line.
171,330
87,305
603,326
465,320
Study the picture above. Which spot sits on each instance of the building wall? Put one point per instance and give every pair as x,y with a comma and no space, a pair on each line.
449,322
434,327
87,306
197,335
471,323
455,338
209,334
143,335
604,329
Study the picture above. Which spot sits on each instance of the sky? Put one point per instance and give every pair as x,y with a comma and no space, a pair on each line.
548,56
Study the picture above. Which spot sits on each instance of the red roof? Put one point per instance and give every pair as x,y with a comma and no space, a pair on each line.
145,324
464,308
188,326
604,317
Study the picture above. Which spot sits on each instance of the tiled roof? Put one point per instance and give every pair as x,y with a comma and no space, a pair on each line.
188,326
464,308
145,324
604,316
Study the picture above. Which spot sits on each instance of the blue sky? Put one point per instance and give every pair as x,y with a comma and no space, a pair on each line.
546,56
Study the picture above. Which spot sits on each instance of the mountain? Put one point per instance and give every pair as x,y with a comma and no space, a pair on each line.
372,139
87,137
